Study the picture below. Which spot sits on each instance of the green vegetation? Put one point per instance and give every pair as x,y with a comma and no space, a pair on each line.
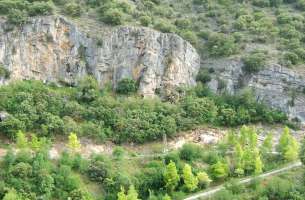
30,173
50,111
219,28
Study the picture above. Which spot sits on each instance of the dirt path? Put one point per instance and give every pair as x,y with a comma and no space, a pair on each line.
244,181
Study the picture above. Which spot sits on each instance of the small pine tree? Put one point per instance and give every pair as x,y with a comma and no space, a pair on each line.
203,179
121,195
219,170
12,195
238,156
132,193
166,197
288,147
258,164
302,152
171,177
267,145
74,143
21,140
35,144
190,181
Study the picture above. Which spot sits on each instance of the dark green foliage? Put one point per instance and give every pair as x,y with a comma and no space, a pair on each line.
17,17
126,86
221,45
4,72
51,111
255,62
190,152
73,9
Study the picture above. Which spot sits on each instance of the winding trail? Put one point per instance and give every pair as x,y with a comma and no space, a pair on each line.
244,181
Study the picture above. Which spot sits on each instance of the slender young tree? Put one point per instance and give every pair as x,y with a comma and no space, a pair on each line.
74,143
21,140
302,152
121,195
171,177
132,193
190,181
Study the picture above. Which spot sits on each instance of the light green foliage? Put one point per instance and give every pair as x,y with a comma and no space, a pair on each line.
166,197
267,145
255,62
220,170
74,143
190,181
131,194
21,140
121,195
288,147
88,89
203,180
171,176
12,195
302,152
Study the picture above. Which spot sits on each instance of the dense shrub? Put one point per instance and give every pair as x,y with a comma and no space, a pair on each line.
165,26
255,62
73,9
40,8
17,17
221,45
126,86
113,17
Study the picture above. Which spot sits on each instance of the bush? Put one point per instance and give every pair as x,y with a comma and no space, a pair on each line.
17,17
290,58
254,62
221,45
203,76
145,20
113,16
165,26
126,86
73,9
190,152
200,109
190,37
4,72
40,8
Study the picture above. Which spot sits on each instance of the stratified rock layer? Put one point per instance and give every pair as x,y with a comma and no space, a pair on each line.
54,50
277,86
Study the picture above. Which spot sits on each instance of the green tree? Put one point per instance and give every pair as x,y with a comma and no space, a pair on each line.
74,143
190,181
121,195
126,86
203,180
166,197
238,160
288,147
21,140
171,176
267,145
220,170
88,89
132,193
302,152
258,164
12,195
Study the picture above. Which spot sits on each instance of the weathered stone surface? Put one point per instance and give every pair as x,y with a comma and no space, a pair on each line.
54,50
277,86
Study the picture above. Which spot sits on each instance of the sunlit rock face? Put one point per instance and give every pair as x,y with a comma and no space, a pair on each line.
54,50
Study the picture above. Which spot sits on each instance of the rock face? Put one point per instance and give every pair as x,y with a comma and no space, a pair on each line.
54,50
277,86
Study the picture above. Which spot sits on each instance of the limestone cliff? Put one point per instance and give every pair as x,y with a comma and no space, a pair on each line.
277,86
54,50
